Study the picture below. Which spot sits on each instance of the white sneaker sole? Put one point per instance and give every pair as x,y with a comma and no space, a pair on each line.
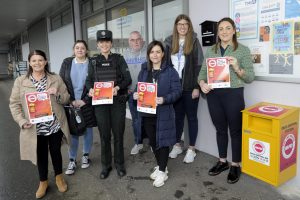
70,173
189,161
153,177
161,184
85,166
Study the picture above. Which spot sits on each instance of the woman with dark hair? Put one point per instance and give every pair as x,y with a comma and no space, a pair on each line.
184,52
37,140
225,104
159,127
73,71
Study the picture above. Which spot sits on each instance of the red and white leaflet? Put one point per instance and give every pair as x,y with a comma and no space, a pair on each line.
218,73
103,93
39,107
147,97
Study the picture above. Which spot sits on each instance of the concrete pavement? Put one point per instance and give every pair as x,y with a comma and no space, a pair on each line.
19,179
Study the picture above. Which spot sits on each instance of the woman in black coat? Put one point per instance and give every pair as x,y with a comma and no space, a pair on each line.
160,127
74,71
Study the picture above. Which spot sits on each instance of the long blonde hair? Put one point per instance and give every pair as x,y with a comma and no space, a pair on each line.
188,43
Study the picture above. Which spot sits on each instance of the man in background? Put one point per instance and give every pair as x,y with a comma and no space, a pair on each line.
134,56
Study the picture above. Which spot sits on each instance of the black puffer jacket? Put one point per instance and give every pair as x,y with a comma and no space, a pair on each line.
87,110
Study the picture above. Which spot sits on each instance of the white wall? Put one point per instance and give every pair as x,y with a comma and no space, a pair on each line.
61,43
275,92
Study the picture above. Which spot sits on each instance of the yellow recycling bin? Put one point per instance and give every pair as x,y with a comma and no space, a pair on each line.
269,142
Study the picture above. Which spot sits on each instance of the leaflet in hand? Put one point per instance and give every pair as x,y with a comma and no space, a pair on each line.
39,107
103,93
218,73
147,97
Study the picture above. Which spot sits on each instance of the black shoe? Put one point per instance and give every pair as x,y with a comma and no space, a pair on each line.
105,172
218,168
234,174
121,172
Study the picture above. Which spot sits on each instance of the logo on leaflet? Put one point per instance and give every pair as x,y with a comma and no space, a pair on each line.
143,87
288,146
258,148
32,98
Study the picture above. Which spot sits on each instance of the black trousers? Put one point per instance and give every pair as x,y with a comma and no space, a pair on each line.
161,154
185,105
111,118
45,144
225,107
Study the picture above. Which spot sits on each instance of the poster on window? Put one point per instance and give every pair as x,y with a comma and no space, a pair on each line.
147,97
39,107
103,93
218,73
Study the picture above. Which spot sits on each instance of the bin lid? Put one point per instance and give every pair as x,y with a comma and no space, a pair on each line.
271,110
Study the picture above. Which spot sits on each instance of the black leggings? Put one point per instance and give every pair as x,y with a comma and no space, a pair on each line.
162,153
225,106
45,144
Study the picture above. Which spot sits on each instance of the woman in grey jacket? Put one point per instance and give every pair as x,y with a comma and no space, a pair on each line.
184,52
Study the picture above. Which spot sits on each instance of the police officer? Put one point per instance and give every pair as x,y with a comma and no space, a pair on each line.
108,66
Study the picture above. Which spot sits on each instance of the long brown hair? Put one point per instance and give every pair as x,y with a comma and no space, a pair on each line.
188,43
40,53
234,37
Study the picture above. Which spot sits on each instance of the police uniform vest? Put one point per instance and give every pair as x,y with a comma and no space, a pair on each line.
105,70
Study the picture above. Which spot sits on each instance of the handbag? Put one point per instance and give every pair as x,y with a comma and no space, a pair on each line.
77,124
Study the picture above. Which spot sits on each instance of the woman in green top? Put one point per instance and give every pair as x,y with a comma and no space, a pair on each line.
225,104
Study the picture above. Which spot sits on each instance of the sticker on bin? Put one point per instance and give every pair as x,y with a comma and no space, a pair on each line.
259,151
271,110
288,155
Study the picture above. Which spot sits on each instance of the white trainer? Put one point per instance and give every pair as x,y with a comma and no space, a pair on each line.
160,179
154,174
71,167
189,156
85,162
176,150
136,149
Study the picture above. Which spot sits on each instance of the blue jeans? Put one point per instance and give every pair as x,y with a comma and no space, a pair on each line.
87,143
134,115
185,105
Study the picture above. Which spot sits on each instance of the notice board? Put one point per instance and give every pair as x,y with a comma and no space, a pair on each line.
271,29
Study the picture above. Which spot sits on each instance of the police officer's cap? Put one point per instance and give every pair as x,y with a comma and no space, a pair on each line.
104,35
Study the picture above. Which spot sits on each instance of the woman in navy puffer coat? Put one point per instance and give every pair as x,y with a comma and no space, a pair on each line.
160,127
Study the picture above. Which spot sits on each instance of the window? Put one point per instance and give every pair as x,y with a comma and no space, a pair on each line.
122,20
98,4
86,7
93,25
60,19
164,15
